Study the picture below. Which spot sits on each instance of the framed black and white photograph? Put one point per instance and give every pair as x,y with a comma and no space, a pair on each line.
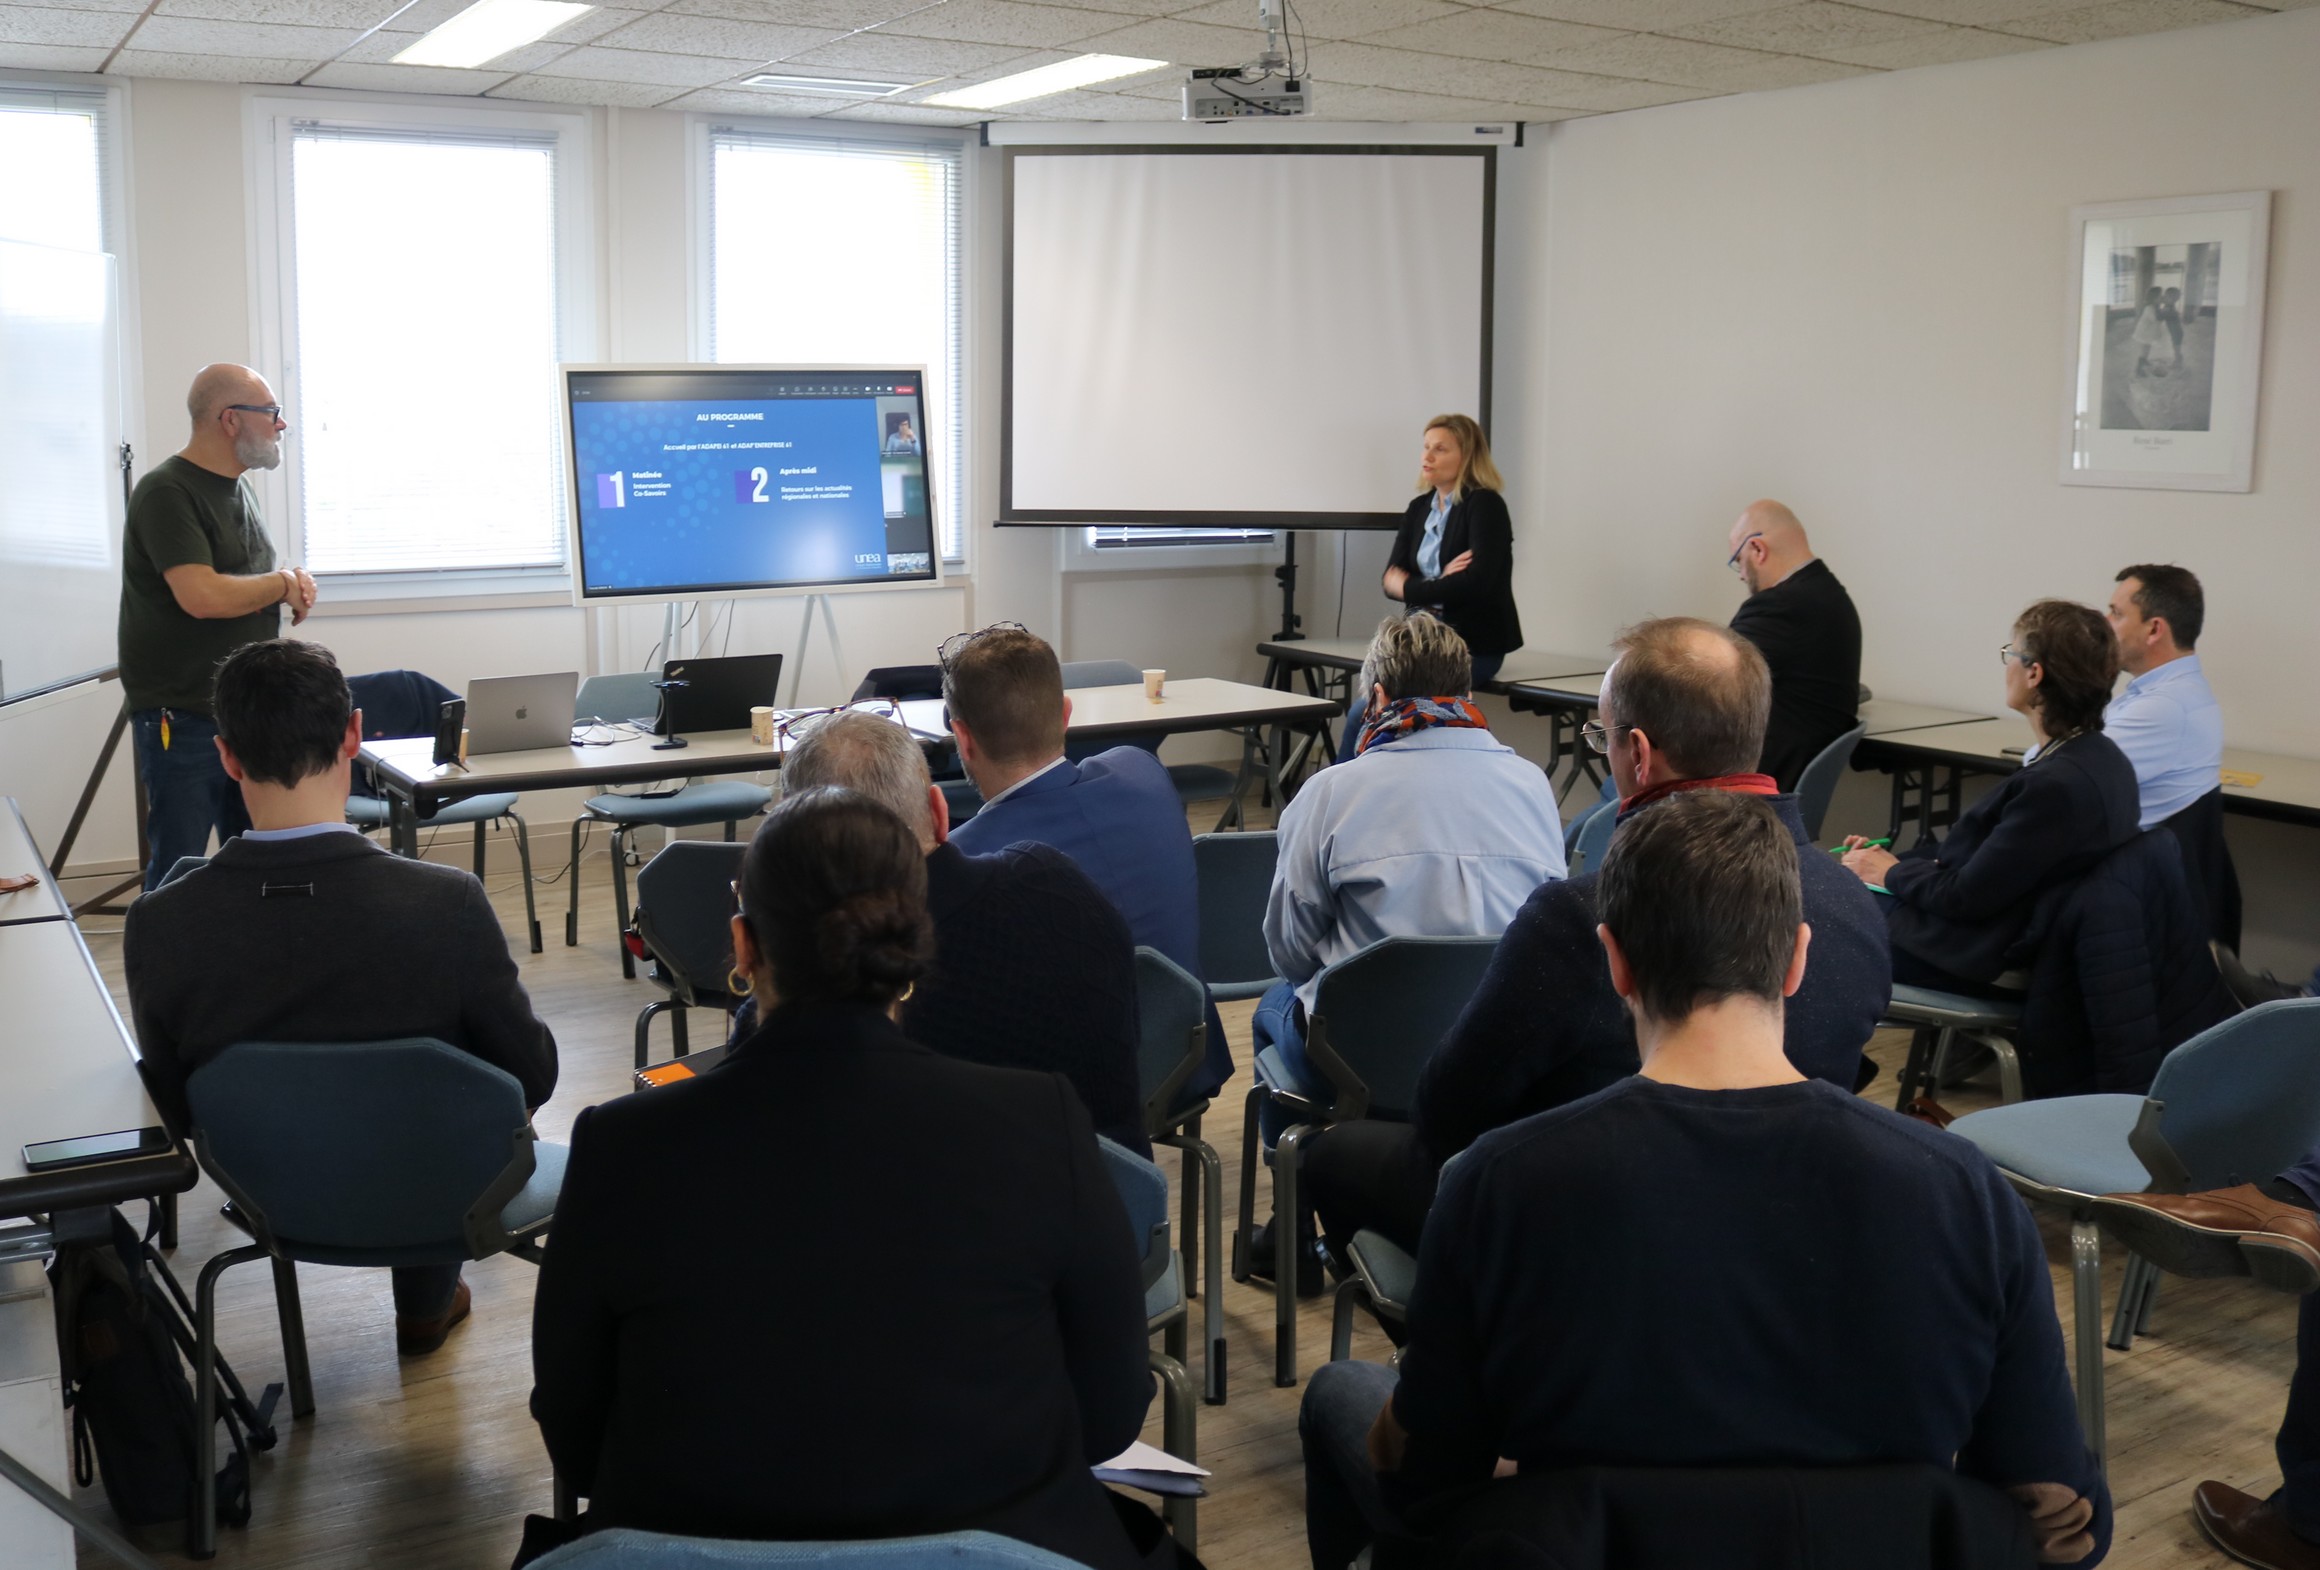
2167,332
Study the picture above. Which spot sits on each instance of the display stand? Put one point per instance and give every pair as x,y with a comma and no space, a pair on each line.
102,904
797,664
1286,576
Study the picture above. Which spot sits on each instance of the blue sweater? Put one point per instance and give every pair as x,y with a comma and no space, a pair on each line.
1661,1276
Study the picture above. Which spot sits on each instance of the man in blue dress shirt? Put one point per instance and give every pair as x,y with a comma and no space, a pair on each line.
2166,720
1116,814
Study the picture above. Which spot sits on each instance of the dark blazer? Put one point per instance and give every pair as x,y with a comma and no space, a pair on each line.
1479,602
842,1286
1117,815
1033,969
2214,881
1545,1028
326,938
1809,633
1963,903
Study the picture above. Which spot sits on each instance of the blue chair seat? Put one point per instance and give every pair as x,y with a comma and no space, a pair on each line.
1925,1005
1275,1074
535,1203
2074,1143
1165,1295
627,1548
1202,781
371,813
710,801
1389,1272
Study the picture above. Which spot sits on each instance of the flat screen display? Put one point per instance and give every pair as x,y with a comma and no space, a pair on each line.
700,481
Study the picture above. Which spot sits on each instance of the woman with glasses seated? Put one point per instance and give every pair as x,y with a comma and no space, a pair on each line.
1956,908
842,1286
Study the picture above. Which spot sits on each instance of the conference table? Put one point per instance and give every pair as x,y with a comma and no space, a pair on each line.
415,787
2265,785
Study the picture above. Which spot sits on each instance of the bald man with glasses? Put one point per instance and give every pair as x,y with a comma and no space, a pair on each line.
198,581
1801,619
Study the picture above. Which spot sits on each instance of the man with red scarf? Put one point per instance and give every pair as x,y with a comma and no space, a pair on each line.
1684,708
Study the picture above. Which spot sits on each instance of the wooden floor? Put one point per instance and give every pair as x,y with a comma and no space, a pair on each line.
431,1464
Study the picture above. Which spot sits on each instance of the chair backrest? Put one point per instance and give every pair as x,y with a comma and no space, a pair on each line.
1817,785
2236,1103
626,1548
618,699
1172,1036
684,905
1377,1017
1235,874
1589,836
1144,1192
900,682
406,1144
2207,867
398,704
1105,673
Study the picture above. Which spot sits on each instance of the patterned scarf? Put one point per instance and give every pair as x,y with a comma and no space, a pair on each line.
1738,784
1408,716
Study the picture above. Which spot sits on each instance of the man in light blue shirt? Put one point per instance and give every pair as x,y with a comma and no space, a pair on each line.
2166,720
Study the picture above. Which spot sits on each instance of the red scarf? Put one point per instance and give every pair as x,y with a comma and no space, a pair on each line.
1737,784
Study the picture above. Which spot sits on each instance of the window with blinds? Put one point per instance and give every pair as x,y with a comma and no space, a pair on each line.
52,167
423,319
825,251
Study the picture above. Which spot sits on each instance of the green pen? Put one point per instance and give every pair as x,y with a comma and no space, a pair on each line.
1839,850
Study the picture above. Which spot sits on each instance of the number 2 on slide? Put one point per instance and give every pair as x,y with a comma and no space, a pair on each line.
749,484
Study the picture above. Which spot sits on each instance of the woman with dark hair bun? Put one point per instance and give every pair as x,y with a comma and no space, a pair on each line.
842,1286
1956,908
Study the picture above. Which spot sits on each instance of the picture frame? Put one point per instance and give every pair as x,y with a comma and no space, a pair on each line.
2165,346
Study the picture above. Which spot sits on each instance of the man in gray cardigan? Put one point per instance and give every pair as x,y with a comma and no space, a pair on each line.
299,929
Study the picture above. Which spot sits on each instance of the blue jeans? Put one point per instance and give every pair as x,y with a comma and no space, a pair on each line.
1344,1507
1485,667
1278,1024
187,792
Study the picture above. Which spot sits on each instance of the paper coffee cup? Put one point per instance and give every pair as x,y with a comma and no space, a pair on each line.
1153,682
761,726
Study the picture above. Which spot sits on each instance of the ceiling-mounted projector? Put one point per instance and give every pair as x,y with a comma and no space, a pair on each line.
1271,84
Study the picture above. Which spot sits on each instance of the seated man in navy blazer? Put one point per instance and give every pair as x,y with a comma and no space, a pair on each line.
1117,814
301,930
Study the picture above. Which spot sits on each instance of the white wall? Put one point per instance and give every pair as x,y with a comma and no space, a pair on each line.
1852,297
190,264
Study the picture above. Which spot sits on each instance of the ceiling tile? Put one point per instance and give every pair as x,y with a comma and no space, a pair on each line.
366,77
845,14
130,6
2126,19
207,67
574,90
356,14
1100,106
50,57
1489,81
1004,22
749,101
906,114
1971,13
880,53
1182,43
1494,35
1644,16
1331,18
1816,27
720,36
23,24
597,64
1689,63
188,35
1946,47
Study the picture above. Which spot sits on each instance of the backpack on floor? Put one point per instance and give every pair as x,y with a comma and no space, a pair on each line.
124,1343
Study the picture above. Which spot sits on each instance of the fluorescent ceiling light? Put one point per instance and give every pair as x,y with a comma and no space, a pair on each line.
835,86
488,29
1061,77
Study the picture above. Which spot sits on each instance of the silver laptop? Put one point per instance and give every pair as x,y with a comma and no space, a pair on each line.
519,713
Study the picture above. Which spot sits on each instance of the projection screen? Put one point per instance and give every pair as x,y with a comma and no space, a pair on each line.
1238,336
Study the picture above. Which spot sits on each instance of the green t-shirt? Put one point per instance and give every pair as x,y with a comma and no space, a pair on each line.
182,514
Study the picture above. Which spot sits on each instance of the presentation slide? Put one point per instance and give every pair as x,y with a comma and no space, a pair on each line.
723,480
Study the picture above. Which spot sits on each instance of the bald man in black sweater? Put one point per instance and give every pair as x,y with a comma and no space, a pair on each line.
1803,621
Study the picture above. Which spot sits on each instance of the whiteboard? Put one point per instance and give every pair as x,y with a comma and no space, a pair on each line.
60,477
1239,335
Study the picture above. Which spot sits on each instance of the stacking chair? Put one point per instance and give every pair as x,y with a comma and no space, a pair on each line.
2235,1104
1172,1043
626,1548
1817,785
1235,875
1589,834
369,1154
1193,781
1144,1191
397,704
684,906
902,683
632,698
1938,1021
1376,1019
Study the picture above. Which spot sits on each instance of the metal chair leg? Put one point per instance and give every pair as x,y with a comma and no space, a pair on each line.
2150,1301
644,1028
677,1030
2086,1292
480,825
566,1504
292,1313
1251,1151
1287,1152
1179,1426
168,1230
2009,1067
572,886
202,1541
620,902
1212,1311
1341,1320
531,902
1915,1073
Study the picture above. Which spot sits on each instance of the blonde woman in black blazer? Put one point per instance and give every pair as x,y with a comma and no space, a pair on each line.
1471,584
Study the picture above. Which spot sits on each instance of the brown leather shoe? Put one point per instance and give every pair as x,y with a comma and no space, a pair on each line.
2251,1530
418,1337
2238,1231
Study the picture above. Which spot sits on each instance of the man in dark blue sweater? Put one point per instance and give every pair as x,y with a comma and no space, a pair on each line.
1674,1272
1683,710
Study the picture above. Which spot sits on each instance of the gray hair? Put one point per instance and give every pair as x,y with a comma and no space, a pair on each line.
1417,656
869,754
